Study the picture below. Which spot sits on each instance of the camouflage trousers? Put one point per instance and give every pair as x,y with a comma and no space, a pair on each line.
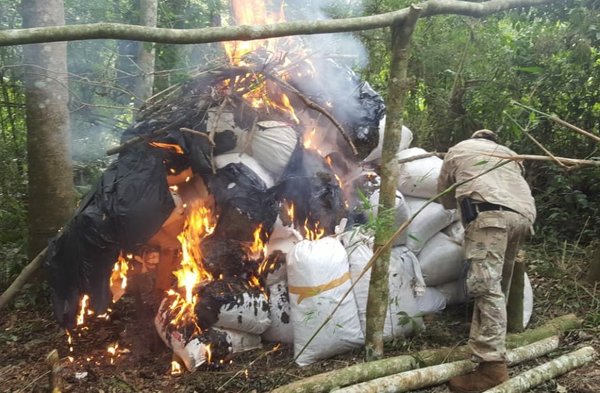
491,245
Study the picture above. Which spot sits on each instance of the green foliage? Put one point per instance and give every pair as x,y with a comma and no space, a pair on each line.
13,176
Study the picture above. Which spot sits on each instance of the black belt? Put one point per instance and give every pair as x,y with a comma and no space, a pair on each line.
486,207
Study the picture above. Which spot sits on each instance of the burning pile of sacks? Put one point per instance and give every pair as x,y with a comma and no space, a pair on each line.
313,276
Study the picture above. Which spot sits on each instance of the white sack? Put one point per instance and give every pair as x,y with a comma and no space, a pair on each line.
454,292
318,277
219,120
418,178
405,285
192,352
272,145
441,260
527,301
282,239
402,214
279,308
406,138
241,341
427,223
402,315
229,158
456,232
431,302
249,314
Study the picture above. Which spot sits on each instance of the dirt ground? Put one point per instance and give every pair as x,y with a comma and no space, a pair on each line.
142,362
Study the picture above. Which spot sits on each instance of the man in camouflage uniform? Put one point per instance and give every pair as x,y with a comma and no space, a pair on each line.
498,211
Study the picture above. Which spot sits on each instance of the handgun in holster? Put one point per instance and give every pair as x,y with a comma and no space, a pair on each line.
468,210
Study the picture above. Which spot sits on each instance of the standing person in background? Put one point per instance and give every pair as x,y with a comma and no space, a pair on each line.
498,212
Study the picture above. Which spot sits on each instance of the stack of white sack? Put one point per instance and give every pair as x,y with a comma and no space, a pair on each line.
436,235
408,301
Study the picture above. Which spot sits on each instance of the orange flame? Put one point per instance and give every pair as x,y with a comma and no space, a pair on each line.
169,146
199,224
83,309
258,248
112,351
314,233
286,107
309,138
208,354
175,368
290,212
118,277
251,12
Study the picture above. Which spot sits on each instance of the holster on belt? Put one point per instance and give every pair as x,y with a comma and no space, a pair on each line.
468,210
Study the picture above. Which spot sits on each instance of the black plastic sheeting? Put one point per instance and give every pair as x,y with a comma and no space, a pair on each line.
113,217
243,202
309,182
351,101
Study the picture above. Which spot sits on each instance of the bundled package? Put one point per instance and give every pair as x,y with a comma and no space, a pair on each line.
418,178
318,278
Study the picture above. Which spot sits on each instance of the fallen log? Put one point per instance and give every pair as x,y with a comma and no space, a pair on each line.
367,371
435,375
552,369
22,278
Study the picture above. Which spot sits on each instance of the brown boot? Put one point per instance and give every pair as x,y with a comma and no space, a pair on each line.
486,376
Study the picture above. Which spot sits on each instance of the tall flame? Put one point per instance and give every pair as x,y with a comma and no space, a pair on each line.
251,12
199,224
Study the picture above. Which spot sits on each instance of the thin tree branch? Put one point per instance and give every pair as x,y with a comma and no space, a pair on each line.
560,121
245,32
536,141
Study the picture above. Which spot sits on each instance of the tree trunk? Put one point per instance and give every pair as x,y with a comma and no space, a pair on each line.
377,301
534,377
145,55
514,308
364,372
51,191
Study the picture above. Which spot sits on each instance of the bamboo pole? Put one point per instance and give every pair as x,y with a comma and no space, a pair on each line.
552,369
560,121
22,278
435,375
366,371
